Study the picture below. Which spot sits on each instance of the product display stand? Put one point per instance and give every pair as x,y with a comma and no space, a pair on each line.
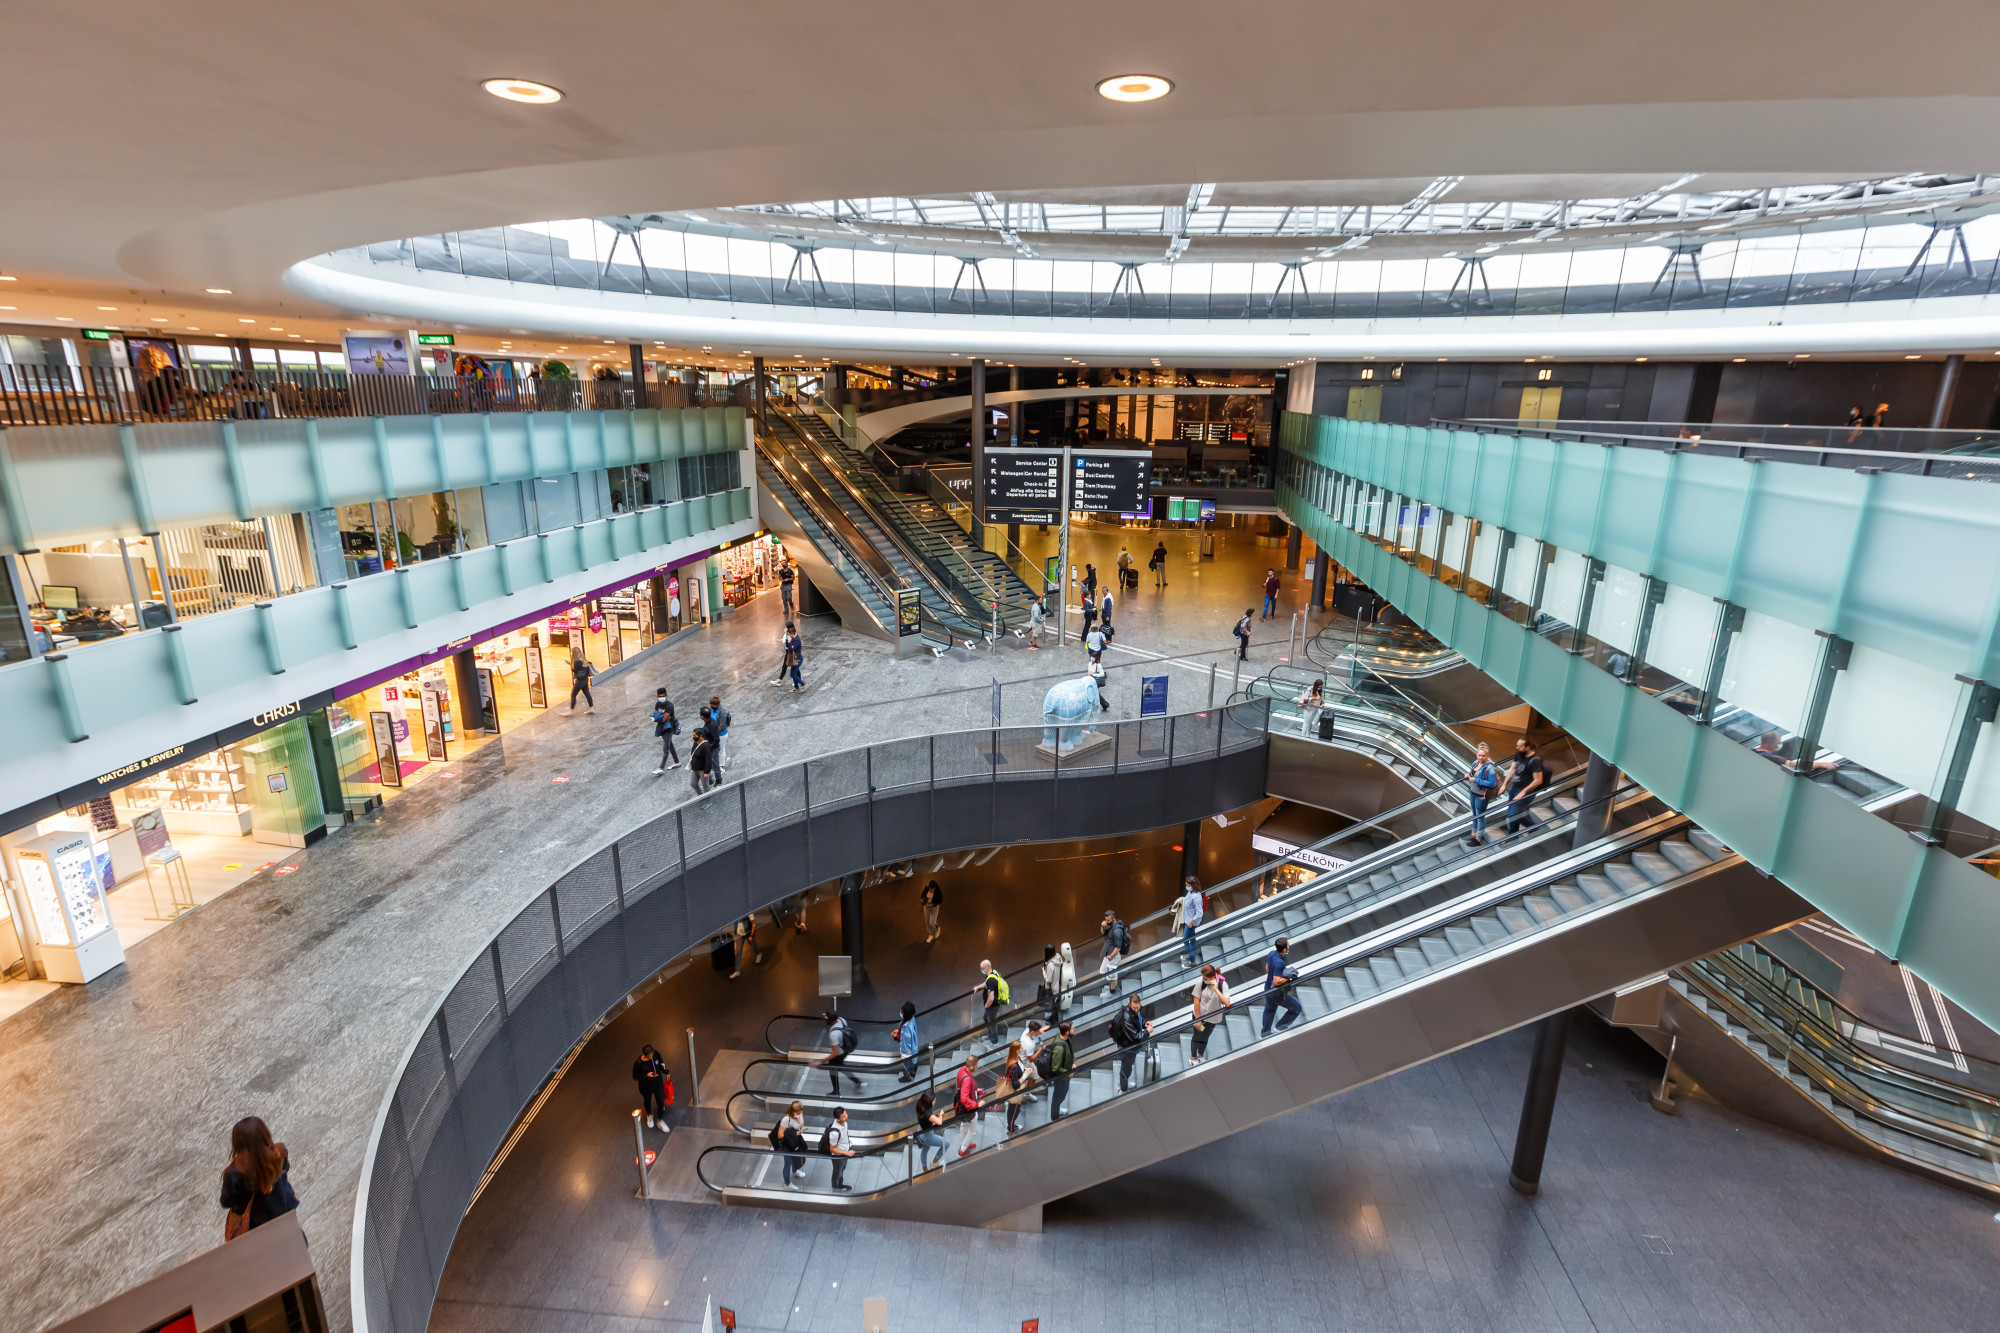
180,892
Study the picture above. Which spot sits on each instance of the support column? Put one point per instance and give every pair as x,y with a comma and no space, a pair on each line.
757,375
1947,390
1593,816
465,685
979,452
850,917
1191,849
1321,559
1015,409
638,352
1538,1103
1293,540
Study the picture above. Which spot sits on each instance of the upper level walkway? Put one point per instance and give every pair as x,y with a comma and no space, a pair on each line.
1672,609
295,997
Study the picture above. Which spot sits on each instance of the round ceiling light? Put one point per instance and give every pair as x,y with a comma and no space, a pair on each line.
1135,87
523,90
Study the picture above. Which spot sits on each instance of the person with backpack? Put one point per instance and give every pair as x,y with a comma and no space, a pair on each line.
1192,907
1061,1060
907,1040
666,726
927,1138
1211,997
1484,780
1093,643
1158,564
993,997
1524,777
656,1085
580,672
789,1137
932,898
1129,1031
837,1144
967,1099
1117,943
1278,979
256,1185
1242,632
841,1039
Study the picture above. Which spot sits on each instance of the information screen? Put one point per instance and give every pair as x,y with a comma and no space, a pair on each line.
1023,485
1111,483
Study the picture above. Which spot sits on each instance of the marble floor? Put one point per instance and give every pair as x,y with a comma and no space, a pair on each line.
294,997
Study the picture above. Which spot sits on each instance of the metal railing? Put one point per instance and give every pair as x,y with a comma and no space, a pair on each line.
1965,455
634,905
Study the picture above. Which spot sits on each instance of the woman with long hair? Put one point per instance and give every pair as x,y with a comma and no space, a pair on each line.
256,1185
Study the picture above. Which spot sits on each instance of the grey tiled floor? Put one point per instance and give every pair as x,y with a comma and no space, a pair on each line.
1385,1208
294,997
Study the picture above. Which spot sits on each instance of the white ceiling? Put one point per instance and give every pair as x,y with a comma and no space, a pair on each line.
158,150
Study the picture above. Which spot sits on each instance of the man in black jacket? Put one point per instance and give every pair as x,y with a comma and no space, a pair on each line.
649,1071
1129,1029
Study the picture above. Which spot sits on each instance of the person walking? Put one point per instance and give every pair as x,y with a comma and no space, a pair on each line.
1126,574
786,573
1524,777
1278,978
256,1185
745,933
927,1139
932,899
1117,943
1192,909
701,760
966,1099
908,1043
1270,593
1104,614
1211,997
666,726
1093,644
836,1142
1482,780
992,994
790,1137
1242,632
1038,616
1129,1031
1062,1060
795,656
1312,702
1014,1076
1090,582
580,672
718,718
649,1071
1089,609
841,1039
1158,564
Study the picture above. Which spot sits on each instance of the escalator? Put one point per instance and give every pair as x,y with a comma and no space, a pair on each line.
1370,715
1409,952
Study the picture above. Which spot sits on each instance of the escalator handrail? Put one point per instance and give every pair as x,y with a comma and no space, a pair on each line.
858,549
1168,1027
1431,719
1094,1009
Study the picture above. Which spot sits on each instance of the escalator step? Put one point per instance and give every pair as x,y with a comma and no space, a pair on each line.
1427,860
1294,917
1595,887
1707,844
1628,880
1569,897
1335,991
1488,928
1683,855
1460,940
1360,982
1411,960
1654,867
1543,907
1386,972
1564,803
1232,943
1312,1000
1437,950
1517,920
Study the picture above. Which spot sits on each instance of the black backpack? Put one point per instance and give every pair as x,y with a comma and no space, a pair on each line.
849,1039
826,1140
1043,1059
1120,938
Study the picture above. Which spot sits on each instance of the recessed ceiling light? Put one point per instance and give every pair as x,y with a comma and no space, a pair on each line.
1913,356
1741,359
1805,356
1135,87
523,90
107,307
276,328
219,291
65,319
246,320
1638,358
295,335
159,319
9,307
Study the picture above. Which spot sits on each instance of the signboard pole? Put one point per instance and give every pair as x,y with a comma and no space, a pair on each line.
1062,555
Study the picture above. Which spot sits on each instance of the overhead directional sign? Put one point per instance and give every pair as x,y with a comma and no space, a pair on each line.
1111,481
1023,485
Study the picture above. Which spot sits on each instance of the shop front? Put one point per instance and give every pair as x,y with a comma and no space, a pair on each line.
750,568
1284,846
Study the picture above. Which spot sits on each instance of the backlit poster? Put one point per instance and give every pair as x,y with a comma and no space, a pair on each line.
377,354
642,610
537,694
489,714
389,767
433,727
614,637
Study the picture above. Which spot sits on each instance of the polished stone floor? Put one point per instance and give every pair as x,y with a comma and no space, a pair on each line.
294,997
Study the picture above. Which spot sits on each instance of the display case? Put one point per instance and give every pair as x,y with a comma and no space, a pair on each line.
206,795
62,877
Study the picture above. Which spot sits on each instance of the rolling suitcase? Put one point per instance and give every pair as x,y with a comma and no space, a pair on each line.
722,954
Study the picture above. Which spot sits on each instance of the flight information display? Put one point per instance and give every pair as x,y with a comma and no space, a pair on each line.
1023,485
1111,482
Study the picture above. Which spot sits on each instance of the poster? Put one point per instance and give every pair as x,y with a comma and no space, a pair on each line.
433,727
489,713
377,354
150,828
642,610
1153,696
538,696
907,607
388,764
614,637
399,718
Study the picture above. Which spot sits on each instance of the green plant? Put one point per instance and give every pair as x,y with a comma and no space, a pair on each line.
558,370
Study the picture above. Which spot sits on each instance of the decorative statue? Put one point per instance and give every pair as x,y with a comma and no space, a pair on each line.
1069,704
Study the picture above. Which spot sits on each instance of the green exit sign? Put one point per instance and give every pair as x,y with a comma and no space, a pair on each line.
434,340
99,335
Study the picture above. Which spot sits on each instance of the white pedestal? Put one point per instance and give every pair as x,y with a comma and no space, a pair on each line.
84,962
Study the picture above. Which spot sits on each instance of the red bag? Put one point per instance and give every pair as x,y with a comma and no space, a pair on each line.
667,1098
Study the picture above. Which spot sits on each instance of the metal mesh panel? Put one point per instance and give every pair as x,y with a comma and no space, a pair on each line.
1093,756
1143,744
527,948
587,896
962,757
838,779
774,798
424,1094
648,854
472,1012
1244,726
1194,734
1018,756
713,822
390,1188
902,764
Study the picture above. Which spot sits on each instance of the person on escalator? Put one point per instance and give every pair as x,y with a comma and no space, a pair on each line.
789,1136
1189,914
1129,1030
837,1144
1525,776
1062,1060
907,1040
992,994
1061,980
1014,1078
1483,780
1211,997
1117,943
928,1140
967,1099
841,1039
1278,978
1312,701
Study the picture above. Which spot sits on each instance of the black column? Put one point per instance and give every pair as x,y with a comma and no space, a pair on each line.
465,683
757,374
1321,559
979,452
1191,849
1016,409
1294,540
638,351
1538,1103
850,917
1947,390
1594,815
